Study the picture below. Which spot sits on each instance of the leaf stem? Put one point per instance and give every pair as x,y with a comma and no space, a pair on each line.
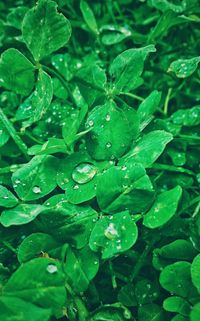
9,169
13,133
189,137
141,260
171,168
167,101
132,96
82,310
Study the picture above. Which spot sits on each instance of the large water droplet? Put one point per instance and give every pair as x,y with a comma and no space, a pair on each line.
36,190
111,232
108,145
107,117
84,173
52,268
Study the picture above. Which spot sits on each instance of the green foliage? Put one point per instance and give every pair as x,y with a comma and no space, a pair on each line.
99,160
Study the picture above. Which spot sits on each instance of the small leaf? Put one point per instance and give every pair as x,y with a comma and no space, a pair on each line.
195,272
45,287
184,67
151,312
7,199
194,315
148,107
51,146
40,102
113,235
44,30
148,148
176,278
88,16
21,214
127,67
15,309
177,304
36,178
35,244
113,130
123,187
81,267
16,72
163,209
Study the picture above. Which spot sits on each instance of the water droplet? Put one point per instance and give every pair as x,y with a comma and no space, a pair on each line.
124,167
107,117
17,181
108,145
5,197
52,268
76,187
95,262
84,173
111,232
36,190
90,123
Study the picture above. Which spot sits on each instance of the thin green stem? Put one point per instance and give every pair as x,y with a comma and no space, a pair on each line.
13,133
132,96
141,260
171,168
113,277
81,308
167,101
189,137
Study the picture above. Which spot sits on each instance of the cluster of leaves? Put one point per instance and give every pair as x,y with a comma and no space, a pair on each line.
99,145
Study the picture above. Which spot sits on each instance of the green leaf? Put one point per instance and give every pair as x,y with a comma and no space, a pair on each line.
165,5
184,67
36,178
178,250
39,101
146,291
51,146
148,148
88,16
113,130
163,209
16,72
123,187
112,34
150,312
77,175
127,67
113,235
194,315
15,17
16,309
71,223
21,214
187,117
45,30
176,278
177,304
35,244
91,81
44,288
7,199
73,120
81,267
4,135
195,268
148,107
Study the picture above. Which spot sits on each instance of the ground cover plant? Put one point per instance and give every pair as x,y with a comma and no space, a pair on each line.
99,167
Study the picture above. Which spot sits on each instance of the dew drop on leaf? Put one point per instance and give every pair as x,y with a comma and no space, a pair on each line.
108,145
111,232
36,190
84,173
51,268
